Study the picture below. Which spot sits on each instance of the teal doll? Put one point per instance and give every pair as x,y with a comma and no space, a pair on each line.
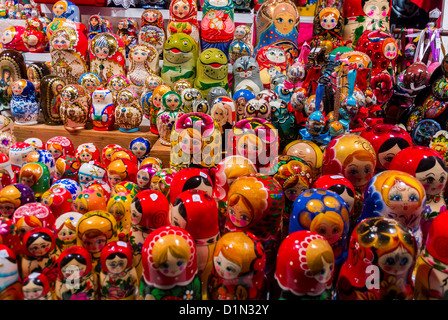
212,69
225,6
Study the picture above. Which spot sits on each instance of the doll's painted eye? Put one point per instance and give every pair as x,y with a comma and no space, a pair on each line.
280,20
404,261
179,263
390,261
413,198
290,21
395,197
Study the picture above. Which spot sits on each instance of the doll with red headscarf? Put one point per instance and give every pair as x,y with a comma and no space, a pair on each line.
184,18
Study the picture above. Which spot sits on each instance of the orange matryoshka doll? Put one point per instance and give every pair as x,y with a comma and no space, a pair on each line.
308,151
89,200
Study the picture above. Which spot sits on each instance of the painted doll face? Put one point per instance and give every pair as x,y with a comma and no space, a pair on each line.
94,244
176,219
142,178
94,21
28,181
326,273
172,102
284,22
58,9
65,95
181,8
157,100
85,156
329,229
138,149
17,88
329,22
150,16
173,266
240,214
116,265
248,148
396,262
73,267
390,51
136,216
376,9
31,291
7,209
114,179
386,156
293,192
40,247
433,179
403,199
55,152
359,172
60,42
66,234
101,52
139,55
190,145
116,85
225,268
123,98
240,33
276,55
90,85
7,36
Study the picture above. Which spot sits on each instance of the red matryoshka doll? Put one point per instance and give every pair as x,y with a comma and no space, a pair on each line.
156,106
121,170
380,262
308,151
150,210
430,169
74,109
305,268
5,178
34,37
36,176
277,24
119,205
238,268
152,30
432,264
13,196
195,141
59,146
184,18
107,56
34,209
255,204
351,156
188,179
17,155
39,254
67,167
65,230
101,186
144,176
197,212
170,266
271,60
118,278
255,139
396,195
10,282
107,152
59,200
94,230
123,153
68,48
327,29
5,164
76,279
9,235
11,38
217,30
36,287
102,111
89,200
161,181
87,152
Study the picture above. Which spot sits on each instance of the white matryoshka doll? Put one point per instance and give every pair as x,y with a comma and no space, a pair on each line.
144,61
24,105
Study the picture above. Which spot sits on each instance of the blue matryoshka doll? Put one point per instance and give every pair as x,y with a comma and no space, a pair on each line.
241,97
140,147
64,9
24,105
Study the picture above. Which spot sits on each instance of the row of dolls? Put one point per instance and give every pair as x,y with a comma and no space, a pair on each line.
276,216
18,10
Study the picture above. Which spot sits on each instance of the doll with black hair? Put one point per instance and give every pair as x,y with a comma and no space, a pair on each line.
36,287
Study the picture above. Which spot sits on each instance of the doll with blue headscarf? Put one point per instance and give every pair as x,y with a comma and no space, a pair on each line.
140,147
64,9
24,105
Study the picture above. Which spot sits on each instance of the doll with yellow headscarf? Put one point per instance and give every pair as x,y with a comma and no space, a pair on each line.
119,205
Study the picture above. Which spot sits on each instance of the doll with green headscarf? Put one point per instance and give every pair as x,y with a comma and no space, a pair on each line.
168,114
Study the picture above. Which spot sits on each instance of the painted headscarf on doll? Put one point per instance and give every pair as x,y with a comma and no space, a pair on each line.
64,9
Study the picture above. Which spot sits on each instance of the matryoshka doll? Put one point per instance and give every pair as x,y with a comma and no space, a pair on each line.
50,98
69,54
387,140
154,161
241,97
13,196
128,112
197,212
64,9
217,29
35,72
304,268
90,81
107,153
168,115
71,185
10,282
144,176
65,230
184,18
67,167
161,181
180,55
24,105
242,43
121,170
36,287
187,179
271,60
74,109
119,205
277,24
238,268
127,31
34,37
96,25
151,83
195,141
59,200
12,68
429,168
94,231
7,136
170,266
89,200
327,29
380,263
156,106
116,83
144,61
18,153
152,29
255,204
11,38
118,278
87,152
36,176
60,145
39,254
396,195
212,69
140,147
107,56
246,74
75,267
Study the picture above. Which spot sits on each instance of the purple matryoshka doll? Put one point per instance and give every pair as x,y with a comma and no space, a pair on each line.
13,196
24,105
144,176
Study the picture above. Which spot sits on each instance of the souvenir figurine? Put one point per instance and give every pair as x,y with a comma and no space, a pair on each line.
126,187
86,152
144,61
24,105
169,266
326,213
195,141
396,195
144,176
67,167
100,186
34,37
140,147
242,43
35,72
241,97
314,129
116,83
38,254
59,200
226,6
312,277
277,24
13,196
36,287
119,205
33,209
75,107
64,9
36,143
50,98
184,18
154,161
36,176
187,179
246,75
161,181
121,170
238,268
156,105
255,204
123,153
96,25
217,30
10,235
383,247
168,115
128,112
75,267
216,92
127,31
71,185
212,68
89,200
90,81
327,29
7,136
429,168
189,96
152,29
60,145
107,56
12,68
151,83
271,60
10,283
11,38
180,55
284,121
68,54
107,153
65,230
18,154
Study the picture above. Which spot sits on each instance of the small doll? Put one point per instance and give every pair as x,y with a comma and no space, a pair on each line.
76,280
140,147
50,98
242,43
152,29
75,107
13,196
151,83
90,81
67,167
258,108
36,210
11,38
36,287
128,112
89,200
184,18
212,68
119,205
65,230
10,282
217,30
86,152
169,266
121,170
225,6
187,179
66,10
36,176
127,31
156,105
96,25
271,60
13,69
144,61
168,115
24,105
34,37
59,200
118,278
246,75
238,268
144,176
116,83
241,97
161,181
17,156
60,145
102,111
327,30
71,185
189,96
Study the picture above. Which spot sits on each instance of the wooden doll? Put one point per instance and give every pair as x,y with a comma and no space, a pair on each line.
67,167
118,278
12,38
10,283
116,83
217,31
119,205
13,196
170,266
92,171
241,44
36,287
89,200
152,30
168,115
90,81
35,72
96,25
102,111
34,37
36,176
180,54
66,10
74,109
225,6
127,31
271,60
120,170
144,61
212,67
50,98
246,75
156,105
184,18
65,230
24,105
128,112
12,68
